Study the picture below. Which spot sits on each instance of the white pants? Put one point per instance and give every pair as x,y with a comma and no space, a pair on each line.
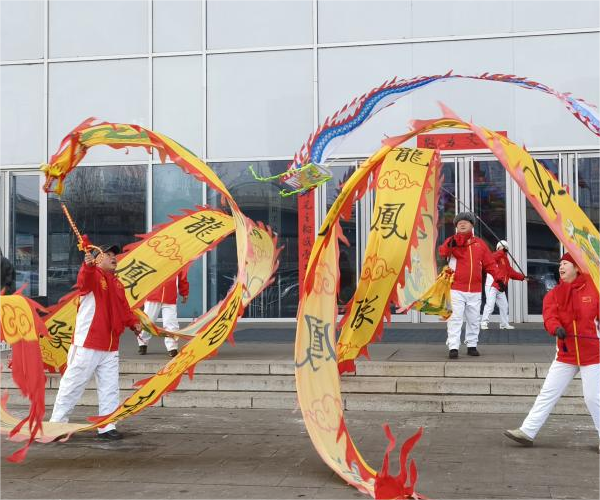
494,296
465,306
82,363
170,323
558,378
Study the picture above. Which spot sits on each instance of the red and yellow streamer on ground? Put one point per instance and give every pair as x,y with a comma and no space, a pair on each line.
398,270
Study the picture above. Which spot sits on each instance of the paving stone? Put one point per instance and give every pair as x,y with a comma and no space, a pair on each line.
442,385
400,368
484,369
529,387
392,402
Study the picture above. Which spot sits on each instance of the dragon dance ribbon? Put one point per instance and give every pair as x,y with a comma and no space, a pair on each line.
21,327
323,142
319,359
160,256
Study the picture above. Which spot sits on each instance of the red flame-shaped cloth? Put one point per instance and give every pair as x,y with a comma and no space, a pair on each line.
388,486
20,327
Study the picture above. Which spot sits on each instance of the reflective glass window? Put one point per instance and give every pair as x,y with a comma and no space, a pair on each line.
543,252
172,191
25,234
260,201
588,187
446,208
489,201
347,253
106,203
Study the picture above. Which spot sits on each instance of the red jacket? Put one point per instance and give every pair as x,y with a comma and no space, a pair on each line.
574,306
472,255
167,294
103,311
505,269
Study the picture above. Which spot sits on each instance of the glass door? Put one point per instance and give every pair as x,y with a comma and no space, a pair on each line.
24,230
447,209
542,251
350,257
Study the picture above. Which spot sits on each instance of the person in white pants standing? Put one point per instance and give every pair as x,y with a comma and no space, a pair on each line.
102,315
493,295
165,300
570,313
468,256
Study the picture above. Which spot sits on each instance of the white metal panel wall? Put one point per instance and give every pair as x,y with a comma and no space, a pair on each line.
22,114
114,91
567,63
259,104
178,103
250,23
21,30
97,28
348,72
351,21
177,26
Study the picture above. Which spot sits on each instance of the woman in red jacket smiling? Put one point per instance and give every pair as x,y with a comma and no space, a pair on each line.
570,313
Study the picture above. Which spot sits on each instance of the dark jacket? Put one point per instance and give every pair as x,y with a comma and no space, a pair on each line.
9,276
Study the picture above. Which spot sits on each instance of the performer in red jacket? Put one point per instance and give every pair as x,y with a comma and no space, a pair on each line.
570,313
102,315
165,300
467,255
493,295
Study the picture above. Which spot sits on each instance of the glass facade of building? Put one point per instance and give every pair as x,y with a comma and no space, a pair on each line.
238,97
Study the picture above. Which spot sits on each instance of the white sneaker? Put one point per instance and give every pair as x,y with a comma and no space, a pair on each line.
519,436
484,325
507,327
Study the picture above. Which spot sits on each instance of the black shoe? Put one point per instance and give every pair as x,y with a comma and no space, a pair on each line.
112,435
173,353
472,351
453,354
142,350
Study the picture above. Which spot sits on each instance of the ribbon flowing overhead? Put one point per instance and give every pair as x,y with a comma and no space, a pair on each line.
323,142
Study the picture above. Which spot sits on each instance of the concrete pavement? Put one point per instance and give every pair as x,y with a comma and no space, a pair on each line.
226,453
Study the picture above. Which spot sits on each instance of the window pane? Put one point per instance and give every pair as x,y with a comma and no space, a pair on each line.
173,190
106,203
543,252
446,208
254,107
22,110
25,234
347,258
114,91
178,102
177,25
489,189
589,188
251,23
22,30
97,28
260,201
